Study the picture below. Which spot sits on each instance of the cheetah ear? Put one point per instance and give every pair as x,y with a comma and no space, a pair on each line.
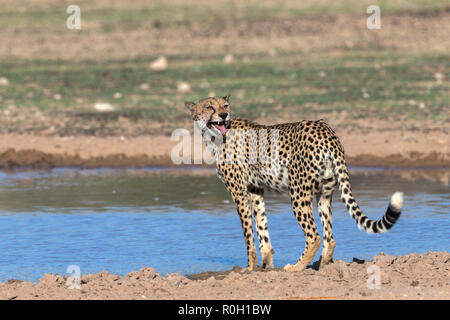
227,98
189,105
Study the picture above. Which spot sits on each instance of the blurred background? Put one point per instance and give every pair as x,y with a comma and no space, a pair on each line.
132,64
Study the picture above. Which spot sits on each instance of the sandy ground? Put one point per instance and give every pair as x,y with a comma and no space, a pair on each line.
381,147
413,276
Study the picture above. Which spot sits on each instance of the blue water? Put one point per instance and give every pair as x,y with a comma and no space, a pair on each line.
123,220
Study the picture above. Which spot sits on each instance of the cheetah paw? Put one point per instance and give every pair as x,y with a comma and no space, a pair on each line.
294,268
289,268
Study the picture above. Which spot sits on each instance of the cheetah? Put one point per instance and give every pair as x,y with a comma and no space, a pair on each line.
305,159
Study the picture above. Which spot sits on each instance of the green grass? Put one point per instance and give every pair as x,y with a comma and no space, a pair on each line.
40,16
376,84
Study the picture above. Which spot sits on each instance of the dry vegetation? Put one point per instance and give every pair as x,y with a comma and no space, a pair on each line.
305,58
280,61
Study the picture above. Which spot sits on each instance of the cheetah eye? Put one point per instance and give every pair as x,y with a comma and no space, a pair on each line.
226,105
210,107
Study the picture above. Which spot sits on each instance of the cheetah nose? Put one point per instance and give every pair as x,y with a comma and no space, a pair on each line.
223,115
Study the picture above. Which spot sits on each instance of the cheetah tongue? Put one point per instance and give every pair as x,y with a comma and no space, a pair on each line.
221,128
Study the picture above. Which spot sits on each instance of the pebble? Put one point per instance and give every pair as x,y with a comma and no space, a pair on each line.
4,81
144,86
103,107
159,64
183,87
228,59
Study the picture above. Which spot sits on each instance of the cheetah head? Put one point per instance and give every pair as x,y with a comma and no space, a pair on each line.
211,114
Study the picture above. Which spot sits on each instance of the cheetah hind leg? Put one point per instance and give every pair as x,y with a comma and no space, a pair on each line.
327,253
303,214
267,259
308,255
324,207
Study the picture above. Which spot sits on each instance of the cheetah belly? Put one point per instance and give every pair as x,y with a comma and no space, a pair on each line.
276,180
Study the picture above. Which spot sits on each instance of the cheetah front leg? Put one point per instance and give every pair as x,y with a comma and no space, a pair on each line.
242,201
261,228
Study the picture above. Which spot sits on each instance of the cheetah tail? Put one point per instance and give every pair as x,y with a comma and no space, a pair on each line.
370,226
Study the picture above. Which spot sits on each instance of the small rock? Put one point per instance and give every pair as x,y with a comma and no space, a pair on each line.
228,59
144,86
57,96
103,107
4,81
14,281
117,95
358,261
159,64
183,87
439,76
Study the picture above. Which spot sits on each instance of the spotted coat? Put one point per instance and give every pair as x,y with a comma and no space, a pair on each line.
304,159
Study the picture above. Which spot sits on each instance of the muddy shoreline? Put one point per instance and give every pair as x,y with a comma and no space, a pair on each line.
35,159
412,276
374,148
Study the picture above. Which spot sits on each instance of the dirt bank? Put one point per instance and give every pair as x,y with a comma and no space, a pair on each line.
413,276
373,148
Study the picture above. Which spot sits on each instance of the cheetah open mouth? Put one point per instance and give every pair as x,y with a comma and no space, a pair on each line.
222,126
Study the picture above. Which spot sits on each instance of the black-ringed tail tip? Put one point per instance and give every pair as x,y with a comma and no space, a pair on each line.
385,223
